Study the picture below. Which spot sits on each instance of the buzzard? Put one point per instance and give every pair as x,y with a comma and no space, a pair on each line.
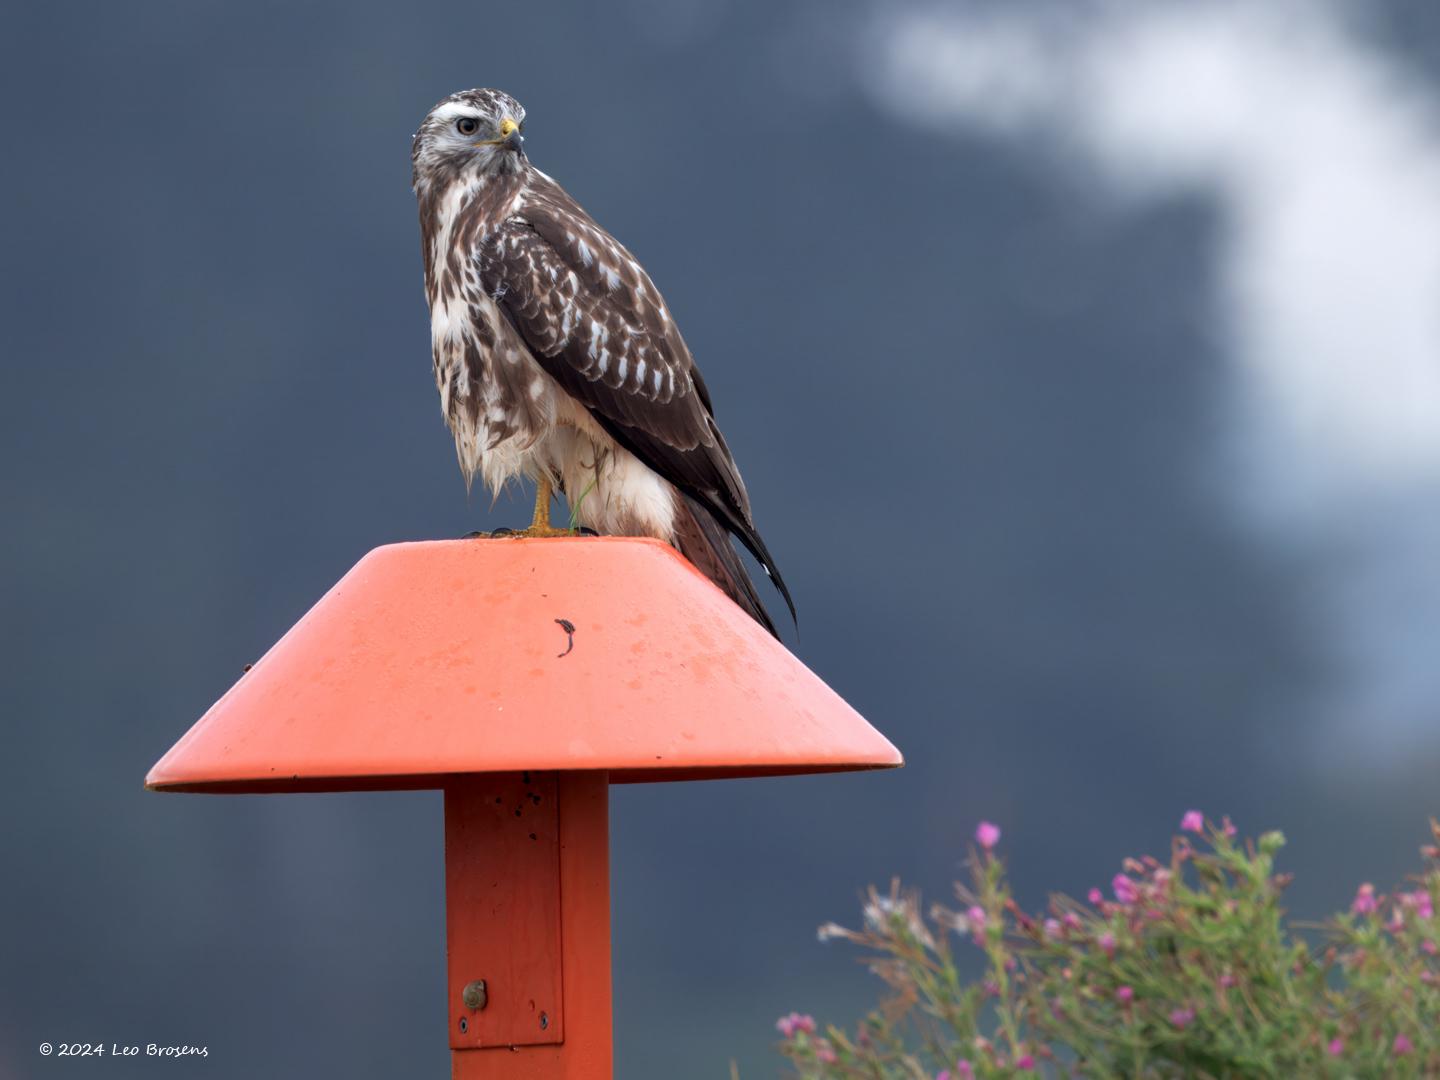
557,360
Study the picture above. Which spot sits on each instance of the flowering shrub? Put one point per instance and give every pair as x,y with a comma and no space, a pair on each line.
1186,969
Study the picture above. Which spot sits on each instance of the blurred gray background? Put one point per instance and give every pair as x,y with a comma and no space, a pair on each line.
1083,361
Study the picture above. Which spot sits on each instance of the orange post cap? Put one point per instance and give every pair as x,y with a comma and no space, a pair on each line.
477,656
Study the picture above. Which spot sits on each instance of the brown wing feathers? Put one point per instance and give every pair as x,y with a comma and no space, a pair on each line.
594,320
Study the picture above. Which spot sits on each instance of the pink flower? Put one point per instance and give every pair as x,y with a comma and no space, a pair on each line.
1402,1045
963,1070
1106,941
1227,981
824,1054
1096,897
1364,902
987,835
1428,947
1336,1047
1072,921
976,915
1228,827
789,1025
1193,821
1125,890
943,1074
1182,1018
1418,902
1125,995
1052,929
1025,1063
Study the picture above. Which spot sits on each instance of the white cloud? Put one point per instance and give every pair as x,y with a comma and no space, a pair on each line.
1322,153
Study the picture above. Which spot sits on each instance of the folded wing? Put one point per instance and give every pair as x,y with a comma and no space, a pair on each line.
594,320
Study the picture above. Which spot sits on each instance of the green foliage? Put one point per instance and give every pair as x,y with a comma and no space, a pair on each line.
1189,971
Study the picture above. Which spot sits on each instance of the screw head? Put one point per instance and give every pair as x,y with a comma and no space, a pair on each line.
474,995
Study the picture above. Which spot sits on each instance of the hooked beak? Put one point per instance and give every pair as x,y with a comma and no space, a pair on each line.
510,137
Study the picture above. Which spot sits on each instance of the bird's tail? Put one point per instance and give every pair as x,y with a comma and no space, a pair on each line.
706,543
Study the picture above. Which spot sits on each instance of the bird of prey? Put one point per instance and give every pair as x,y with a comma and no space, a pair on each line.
557,360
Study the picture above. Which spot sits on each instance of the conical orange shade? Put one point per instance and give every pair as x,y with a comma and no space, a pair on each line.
433,659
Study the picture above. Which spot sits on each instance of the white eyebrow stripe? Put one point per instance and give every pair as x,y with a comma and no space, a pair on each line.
452,110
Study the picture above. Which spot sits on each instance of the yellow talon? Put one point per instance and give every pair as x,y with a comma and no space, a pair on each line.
540,524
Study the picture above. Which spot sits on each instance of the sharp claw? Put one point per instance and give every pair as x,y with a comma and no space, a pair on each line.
531,533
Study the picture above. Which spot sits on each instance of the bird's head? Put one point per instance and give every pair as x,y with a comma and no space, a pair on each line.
472,133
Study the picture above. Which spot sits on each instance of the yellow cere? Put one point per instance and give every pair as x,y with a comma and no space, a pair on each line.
507,126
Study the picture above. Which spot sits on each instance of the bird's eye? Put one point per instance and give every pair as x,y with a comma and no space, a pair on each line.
467,125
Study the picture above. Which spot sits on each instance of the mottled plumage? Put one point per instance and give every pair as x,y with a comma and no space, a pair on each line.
556,357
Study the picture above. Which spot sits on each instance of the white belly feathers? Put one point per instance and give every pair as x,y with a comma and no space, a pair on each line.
522,424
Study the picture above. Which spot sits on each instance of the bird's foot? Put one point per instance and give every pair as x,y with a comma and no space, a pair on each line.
540,527
535,532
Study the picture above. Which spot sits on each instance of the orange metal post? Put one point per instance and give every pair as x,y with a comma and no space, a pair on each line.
459,664
527,897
